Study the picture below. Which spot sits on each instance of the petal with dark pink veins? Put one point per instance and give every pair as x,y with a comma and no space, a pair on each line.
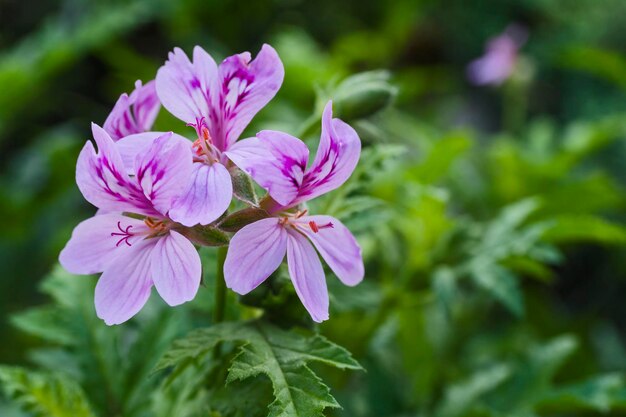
207,197
184,87
337,155
135,113
97,241
244,88
275,160
254,253
103,179
307,276
163,171
176,269
124,287
337,246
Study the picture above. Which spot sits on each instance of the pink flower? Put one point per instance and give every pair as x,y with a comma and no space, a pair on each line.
219,102
132,254
500,58
135,113
278,162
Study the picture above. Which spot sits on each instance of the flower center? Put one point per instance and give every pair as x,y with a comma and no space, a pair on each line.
292,220
157,227
204,149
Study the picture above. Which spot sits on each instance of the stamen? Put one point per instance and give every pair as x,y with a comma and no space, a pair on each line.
125,233
205,134
158,226
301,213
316,227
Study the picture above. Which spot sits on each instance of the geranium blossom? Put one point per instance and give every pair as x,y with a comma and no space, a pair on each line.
135,113
500,58
278,162
134,253
219,102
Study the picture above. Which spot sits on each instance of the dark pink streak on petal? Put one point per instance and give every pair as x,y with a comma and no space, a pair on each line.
244,88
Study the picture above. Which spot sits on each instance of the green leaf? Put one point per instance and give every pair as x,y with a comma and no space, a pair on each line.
576,228
48,323
45,394
501,284
265,349
598,393
531,378
441,156
462,396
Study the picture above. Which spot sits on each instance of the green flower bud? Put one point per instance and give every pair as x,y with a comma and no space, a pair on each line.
363,94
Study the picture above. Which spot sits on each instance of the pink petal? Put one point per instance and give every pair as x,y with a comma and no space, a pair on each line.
97,241
337,156
307,276
244,88
208,195
120,122
337,246
500,58
130,146
184,87
125,285
176,269
147,105
163,171
103,180
254,253
275,160
135,113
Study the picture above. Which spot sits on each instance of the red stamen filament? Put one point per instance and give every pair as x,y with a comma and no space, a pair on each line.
316,228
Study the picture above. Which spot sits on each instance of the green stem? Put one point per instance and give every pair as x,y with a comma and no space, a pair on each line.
220,285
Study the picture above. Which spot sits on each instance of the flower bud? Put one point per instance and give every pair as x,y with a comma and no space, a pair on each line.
363,94
241,218
243,189
205,235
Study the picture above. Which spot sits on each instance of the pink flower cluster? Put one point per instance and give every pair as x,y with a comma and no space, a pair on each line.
152,187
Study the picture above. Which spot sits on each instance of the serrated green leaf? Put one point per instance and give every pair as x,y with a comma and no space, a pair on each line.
280,355
198,343
45,394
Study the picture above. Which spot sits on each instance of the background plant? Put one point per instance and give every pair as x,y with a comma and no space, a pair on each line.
494,255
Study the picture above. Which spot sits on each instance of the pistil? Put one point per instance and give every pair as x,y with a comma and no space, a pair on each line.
124,233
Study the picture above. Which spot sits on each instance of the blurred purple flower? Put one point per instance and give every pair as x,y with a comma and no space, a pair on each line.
278,162
500,58
133,254
135,113
219,102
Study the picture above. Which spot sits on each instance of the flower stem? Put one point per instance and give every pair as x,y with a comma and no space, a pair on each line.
220,285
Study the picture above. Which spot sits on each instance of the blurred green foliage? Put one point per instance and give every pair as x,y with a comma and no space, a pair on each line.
495,254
